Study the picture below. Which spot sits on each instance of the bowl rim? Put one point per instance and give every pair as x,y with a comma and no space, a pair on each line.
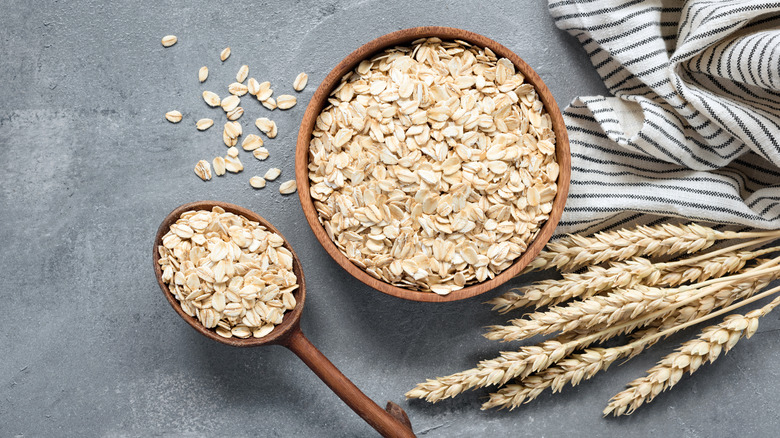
318,102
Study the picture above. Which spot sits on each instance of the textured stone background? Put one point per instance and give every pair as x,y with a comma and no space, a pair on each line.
90,167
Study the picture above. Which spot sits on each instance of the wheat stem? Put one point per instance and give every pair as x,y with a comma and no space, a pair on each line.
626,275
721,251
617,329
690,356
574,251
572,369
749,234
595,280
713,314
522,363
636,302
617,306
508,365
722,298
585,365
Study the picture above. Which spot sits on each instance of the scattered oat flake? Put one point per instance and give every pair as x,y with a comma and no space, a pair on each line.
204,124
287,187
233,129
243,72
230,103
235,113
253,87
300,81
203,74
169,40
269,103
264,91
219,165
264,124
173,116
252,142
233,164
225,54
257,182
267,126
203,170
228,140
238,89
272,174
211,99
232,152
286,101
260,153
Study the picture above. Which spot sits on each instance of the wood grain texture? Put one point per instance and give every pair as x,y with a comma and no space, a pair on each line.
406,36
288,333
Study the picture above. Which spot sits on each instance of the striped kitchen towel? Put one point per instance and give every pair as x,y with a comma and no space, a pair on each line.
694,128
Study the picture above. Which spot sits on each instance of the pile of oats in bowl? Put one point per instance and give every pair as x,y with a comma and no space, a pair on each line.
433,166
230,273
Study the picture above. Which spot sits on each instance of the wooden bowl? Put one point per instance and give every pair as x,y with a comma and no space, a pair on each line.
403,37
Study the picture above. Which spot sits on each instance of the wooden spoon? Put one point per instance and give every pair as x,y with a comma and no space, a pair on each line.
389,422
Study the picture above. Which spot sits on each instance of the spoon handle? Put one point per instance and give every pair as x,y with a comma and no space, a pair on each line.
378,418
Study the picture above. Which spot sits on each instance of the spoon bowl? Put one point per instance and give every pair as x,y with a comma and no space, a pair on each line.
292,318
389,422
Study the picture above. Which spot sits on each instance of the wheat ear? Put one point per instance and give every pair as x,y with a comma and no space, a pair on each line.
596,279
618,306
521,363
689,357
574,251
572,369
679,272
627,274
583,366
530,359
508,365
700,308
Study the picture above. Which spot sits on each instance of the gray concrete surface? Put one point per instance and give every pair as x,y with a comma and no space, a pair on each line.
88,345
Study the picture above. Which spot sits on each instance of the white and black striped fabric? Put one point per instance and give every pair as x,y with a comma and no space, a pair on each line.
694,129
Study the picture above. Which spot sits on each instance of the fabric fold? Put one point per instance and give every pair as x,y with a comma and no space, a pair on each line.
693,129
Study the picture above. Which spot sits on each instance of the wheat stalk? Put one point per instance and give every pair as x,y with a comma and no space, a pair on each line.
617,306
521,363
583,366
634,302
698,309
572,369
729,249
593,311
527,360
688,358
512,364
595,280
508,365
626,275
574,251
676,273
